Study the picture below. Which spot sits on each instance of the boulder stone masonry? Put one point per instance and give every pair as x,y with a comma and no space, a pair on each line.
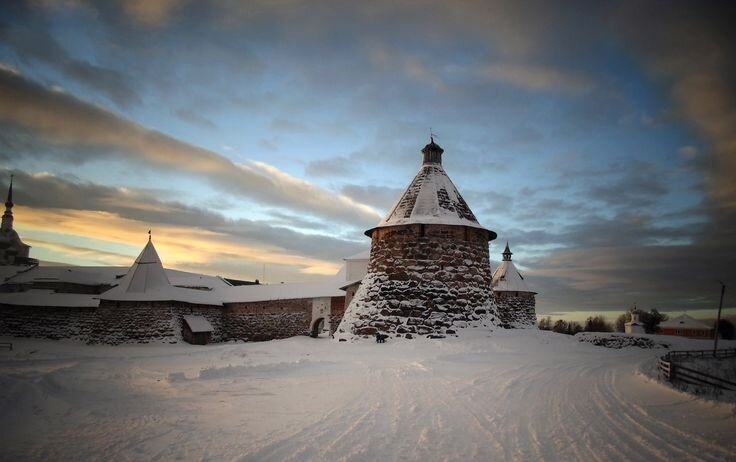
429,272
516,309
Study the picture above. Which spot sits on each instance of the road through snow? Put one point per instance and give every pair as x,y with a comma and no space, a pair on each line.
510,395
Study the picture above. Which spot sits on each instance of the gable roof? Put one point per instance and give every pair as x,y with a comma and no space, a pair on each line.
198,323
684,322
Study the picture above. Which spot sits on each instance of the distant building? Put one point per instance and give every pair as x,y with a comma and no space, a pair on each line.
13,251
514,299
635,326
685,326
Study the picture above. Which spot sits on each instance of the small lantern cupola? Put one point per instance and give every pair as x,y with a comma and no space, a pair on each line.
432,152
507,253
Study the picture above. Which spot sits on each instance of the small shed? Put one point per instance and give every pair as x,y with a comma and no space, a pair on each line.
196,330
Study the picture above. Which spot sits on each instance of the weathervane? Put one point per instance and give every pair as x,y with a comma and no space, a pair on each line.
149,234
431,135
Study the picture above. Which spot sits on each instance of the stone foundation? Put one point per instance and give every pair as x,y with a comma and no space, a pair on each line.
423,280
516,309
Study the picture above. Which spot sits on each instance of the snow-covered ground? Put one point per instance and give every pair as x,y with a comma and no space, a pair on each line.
510,395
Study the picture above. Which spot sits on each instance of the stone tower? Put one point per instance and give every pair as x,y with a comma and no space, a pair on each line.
12,250
428,271
514,299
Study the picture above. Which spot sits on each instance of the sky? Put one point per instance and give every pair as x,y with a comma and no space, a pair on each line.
260,139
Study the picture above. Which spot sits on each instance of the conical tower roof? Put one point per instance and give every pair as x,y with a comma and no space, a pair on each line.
431,198
147,273
507,278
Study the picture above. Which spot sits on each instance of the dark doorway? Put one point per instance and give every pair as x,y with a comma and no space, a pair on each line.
317,327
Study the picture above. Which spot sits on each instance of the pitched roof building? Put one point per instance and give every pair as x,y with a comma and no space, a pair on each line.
685,326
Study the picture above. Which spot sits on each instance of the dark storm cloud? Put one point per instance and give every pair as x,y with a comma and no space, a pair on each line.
27,35
640,185
62,119
379,58
46,191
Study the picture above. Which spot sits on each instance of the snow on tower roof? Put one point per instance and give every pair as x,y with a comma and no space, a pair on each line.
146,280
147,273
684,321
431,198
507,278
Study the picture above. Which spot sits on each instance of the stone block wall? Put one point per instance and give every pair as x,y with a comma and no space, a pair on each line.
149,322
45,322
516,309
267,320
337,311
161,322
423,280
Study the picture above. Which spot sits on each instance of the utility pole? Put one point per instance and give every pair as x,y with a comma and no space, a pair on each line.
718,320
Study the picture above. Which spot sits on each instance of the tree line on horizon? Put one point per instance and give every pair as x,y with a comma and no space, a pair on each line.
650,319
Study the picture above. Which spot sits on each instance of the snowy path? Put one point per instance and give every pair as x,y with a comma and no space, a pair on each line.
512,396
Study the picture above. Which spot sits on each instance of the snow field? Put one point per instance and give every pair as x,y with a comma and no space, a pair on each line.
509,395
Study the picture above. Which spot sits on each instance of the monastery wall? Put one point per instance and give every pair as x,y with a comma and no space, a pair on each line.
267,320
45,322
423,280
516,309
161,322
149,322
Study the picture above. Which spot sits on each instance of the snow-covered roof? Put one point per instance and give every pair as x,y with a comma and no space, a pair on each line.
507,278
186,279
83,275
684,322
8,271
431,198
146,280
264,292
198,323
101,275
49,298
147,273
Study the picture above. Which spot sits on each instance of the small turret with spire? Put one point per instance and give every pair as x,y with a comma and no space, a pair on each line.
507,253
7,223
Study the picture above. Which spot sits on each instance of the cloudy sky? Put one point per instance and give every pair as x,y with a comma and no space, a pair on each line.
259,139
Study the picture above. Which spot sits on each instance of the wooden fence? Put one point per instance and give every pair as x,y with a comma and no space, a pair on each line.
672,371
